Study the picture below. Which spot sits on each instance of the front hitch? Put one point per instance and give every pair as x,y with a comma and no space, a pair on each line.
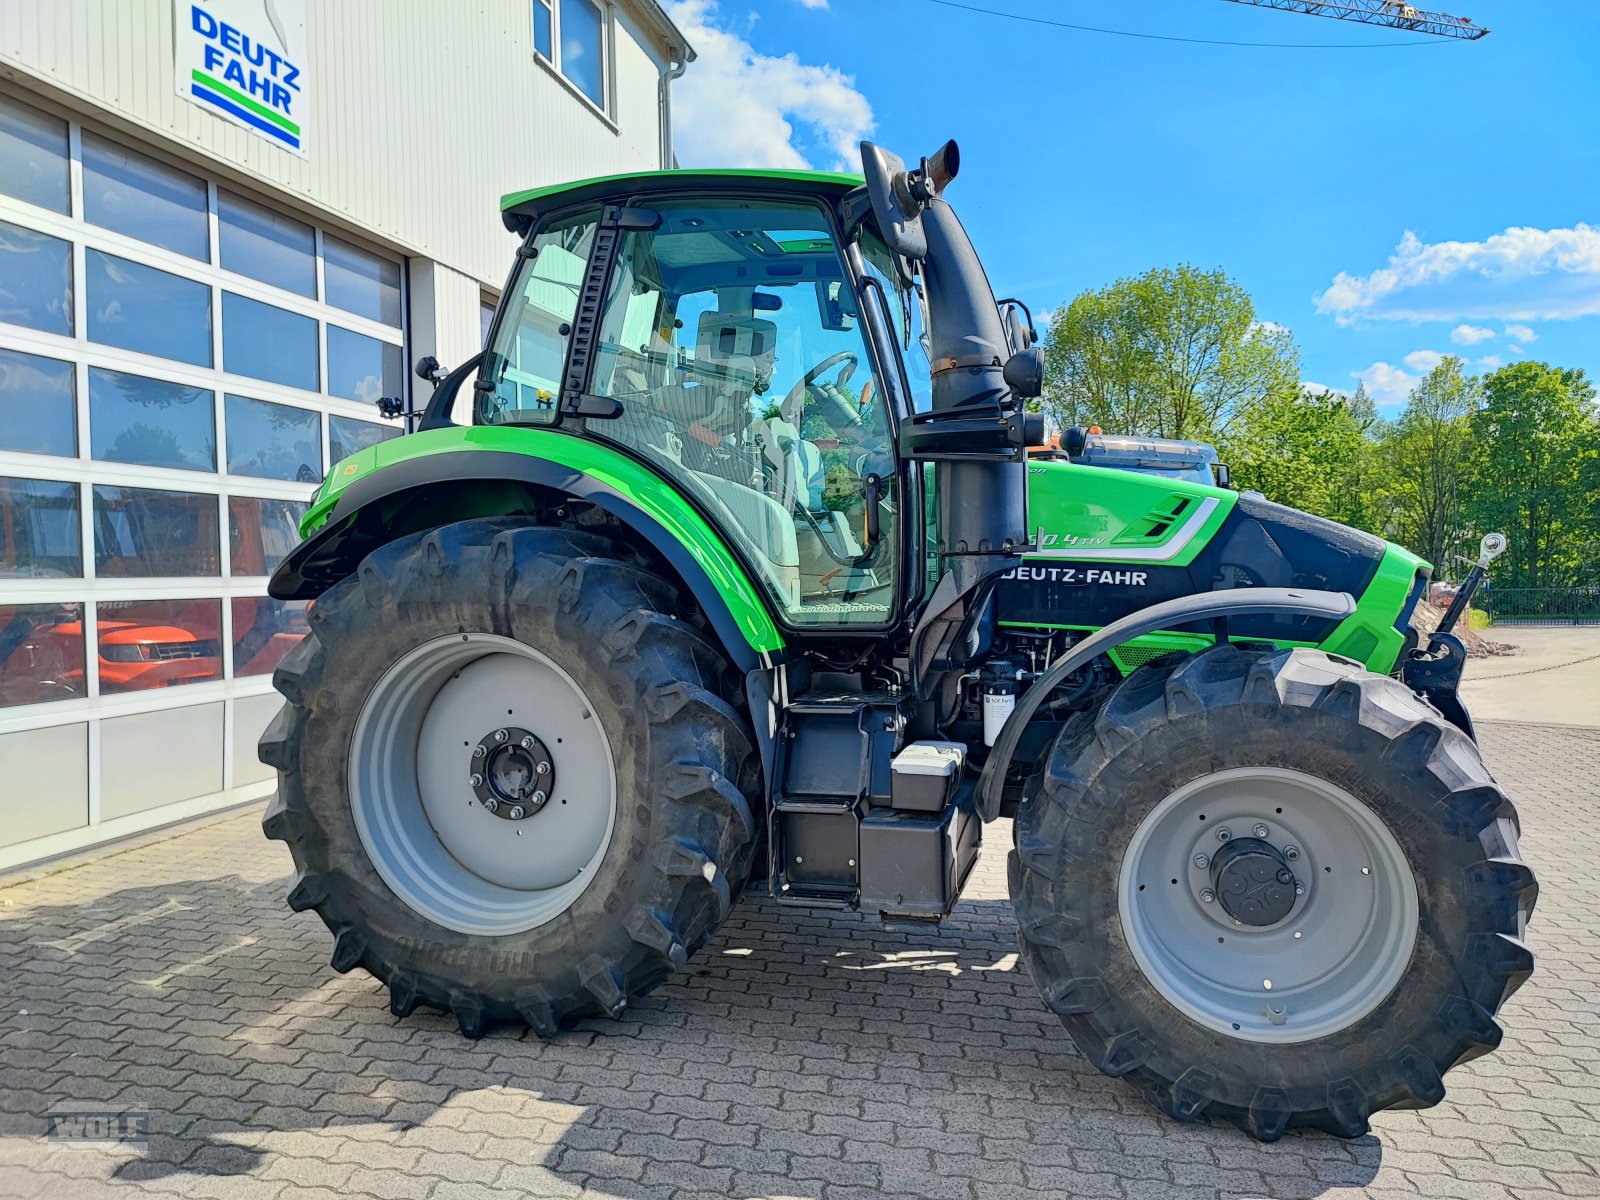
1434,673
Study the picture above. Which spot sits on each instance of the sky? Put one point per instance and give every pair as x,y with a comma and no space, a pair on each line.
1390,203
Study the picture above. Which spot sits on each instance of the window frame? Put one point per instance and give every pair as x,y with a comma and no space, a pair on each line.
552,62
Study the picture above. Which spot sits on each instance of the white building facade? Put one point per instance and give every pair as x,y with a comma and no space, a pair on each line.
227,228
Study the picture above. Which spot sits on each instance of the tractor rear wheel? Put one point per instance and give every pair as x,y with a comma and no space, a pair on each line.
1274,888
514,783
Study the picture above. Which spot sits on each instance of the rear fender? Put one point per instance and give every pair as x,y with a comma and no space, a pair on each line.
400,487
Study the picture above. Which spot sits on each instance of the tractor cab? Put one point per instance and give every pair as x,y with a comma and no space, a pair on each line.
729,353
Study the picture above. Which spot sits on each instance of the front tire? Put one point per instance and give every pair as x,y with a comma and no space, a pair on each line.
1273,888
514,783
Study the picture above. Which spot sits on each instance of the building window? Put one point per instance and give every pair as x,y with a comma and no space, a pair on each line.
38,412
267,342
142,533
144,199
35,279
158,451
273,441
140,308
33,156
572,35
40,534
265,245
361,283
150,422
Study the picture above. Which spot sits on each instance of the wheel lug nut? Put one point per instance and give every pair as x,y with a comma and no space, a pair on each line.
1201,861
1224,834
538,797
1291,852
476,781
516,813
491,804
1299,889
500,735
542,769
1260,830
478,752
1207,895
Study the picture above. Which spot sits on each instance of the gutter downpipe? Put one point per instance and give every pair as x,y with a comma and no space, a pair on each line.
677,63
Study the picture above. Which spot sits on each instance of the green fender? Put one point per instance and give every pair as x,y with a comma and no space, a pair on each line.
354,512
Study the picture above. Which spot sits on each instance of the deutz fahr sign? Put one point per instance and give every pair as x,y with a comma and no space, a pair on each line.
245,61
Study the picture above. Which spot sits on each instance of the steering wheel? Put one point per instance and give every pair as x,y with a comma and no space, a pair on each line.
841,413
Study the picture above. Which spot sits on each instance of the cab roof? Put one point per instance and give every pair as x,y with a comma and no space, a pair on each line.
519,210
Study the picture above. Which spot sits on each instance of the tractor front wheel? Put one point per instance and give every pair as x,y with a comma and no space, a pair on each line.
1274,888
514,781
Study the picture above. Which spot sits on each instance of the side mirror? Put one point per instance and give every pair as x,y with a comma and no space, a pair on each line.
899,216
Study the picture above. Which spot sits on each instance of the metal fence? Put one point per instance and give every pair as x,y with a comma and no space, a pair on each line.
1541,606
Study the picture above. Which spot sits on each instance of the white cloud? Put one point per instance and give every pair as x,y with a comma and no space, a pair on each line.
1515,350
814,4
1521,274
1424,360
1522,333
1268,327
1309,388
1489,362
1386,384
737,107
1470,335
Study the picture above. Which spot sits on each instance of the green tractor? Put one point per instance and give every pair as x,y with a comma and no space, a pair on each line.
724,567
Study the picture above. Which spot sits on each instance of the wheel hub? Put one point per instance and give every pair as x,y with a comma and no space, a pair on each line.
1253,883
512,773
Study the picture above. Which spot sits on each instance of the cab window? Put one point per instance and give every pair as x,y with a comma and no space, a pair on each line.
906,313
528,350
731,337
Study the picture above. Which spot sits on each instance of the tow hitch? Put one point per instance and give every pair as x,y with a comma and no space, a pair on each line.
1435,672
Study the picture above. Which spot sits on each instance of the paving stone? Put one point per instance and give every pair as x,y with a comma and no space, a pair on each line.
836,1060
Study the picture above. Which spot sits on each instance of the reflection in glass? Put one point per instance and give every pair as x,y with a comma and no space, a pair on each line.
40,534
541,29
140,308
583,48
37,413
267,342
359,282
35,279
273,441
143,532
261,532
266,245
346,436
41,653
362,368
150,422
264,630
132,194
148,644
33,156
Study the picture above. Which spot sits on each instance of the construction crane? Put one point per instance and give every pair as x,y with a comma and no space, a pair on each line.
1393,13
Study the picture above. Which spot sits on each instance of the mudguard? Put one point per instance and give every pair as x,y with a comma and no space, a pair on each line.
1207,606
390,489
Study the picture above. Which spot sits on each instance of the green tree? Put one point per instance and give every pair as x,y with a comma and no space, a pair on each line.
1176,352
1429,451
1534,441
1309,450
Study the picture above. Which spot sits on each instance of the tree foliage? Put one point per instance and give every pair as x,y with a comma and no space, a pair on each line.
1535,440
1179,352
1176,352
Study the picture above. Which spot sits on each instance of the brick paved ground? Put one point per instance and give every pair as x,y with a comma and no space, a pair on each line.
818,1057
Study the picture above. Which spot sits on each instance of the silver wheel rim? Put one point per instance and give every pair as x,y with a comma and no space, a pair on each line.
1333,959
424,829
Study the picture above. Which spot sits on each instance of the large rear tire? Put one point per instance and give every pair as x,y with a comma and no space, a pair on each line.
514,783
1274,888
